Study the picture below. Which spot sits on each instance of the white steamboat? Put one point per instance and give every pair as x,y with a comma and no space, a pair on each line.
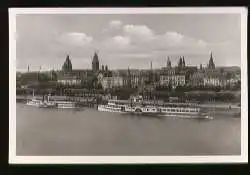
47,103
184,110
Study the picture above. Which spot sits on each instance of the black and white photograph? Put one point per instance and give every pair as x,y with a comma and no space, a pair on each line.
128,85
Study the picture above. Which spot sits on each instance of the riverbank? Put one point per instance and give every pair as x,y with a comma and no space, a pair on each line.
213,109
223,105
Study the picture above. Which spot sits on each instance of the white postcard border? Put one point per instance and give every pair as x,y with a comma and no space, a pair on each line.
13,159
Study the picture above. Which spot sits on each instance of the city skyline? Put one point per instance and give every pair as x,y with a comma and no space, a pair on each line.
124,41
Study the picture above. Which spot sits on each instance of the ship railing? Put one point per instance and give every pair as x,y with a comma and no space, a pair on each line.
154,103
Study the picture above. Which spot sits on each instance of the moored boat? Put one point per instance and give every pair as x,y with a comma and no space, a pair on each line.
183,110
35,102
47,103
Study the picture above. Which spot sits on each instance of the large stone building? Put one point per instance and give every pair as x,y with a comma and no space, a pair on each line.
221,79
176,76
68,76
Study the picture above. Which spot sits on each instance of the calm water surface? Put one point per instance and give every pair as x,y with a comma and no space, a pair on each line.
90,132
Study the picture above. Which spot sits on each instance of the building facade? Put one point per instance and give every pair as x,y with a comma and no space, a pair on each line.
69,80
213,81
112,82
197,79
173,80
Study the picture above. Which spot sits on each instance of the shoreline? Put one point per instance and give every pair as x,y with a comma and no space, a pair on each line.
216,104
221,110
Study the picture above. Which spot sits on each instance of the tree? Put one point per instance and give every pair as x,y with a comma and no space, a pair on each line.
221,70
43,77
229,75
54,75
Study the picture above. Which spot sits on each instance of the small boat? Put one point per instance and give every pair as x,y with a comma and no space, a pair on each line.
34,101
44,103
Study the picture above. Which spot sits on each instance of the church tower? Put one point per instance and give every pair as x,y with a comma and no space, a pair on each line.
180,63
67,66
95,63
168,63
183,62
211,64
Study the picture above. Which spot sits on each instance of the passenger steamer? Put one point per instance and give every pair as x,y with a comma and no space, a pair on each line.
46,103
184,110
35,102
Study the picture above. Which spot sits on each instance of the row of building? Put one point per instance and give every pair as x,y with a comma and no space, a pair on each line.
179,75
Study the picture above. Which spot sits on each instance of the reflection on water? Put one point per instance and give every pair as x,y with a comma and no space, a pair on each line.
49,132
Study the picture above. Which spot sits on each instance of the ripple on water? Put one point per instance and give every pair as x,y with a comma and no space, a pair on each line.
90,132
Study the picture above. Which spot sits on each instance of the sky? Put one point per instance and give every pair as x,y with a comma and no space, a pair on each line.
126,40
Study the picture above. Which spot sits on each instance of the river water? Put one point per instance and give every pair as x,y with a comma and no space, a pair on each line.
47,132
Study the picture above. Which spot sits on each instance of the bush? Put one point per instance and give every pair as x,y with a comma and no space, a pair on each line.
122,93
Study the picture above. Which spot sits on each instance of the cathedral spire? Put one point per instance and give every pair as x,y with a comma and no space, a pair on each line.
67,66
95,62
168,63
180,63
67,58
183,61
211,64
